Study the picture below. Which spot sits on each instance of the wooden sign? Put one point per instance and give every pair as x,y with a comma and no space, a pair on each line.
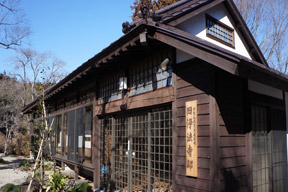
191,139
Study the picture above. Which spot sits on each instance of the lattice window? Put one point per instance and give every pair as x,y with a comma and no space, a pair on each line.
65,134
58,134
149,76
161,149
88,138
219,31
140,155
261,149
121,156
139,149
105,145
71,135
109,89
269,149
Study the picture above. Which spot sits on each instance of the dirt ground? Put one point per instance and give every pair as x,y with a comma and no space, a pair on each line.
10,171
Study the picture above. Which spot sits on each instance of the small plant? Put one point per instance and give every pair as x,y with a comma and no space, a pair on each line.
2,161
9,187
82,187
25,165
57,182
48,167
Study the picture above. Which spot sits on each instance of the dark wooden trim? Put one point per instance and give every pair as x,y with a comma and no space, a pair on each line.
262,74
73,107
175,135
214,159
222,25
66,161
160,96
194,50
248,137
266,100
96,150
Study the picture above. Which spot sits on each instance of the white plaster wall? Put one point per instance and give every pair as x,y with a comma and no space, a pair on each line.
182,56
197,27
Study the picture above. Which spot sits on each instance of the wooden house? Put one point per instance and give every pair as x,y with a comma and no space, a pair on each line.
183,101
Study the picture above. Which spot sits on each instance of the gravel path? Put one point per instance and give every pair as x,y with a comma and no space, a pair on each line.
10,173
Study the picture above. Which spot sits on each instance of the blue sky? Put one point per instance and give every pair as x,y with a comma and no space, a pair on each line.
72,30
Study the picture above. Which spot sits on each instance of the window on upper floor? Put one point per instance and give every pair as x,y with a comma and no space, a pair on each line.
149,76
143,77
109,89
219,31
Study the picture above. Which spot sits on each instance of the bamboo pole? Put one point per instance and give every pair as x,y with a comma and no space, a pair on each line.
40,152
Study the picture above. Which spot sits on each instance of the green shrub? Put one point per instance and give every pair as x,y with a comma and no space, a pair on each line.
10,188
2,161
57,182
82,187
25,165
48,167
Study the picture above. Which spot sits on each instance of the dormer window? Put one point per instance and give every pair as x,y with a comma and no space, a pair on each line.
219,31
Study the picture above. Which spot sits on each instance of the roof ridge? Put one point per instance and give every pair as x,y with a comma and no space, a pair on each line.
169,7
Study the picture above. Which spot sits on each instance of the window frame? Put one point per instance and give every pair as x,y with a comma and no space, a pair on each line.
267,135
208,17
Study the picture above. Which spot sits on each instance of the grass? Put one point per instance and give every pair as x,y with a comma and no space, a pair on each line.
9,187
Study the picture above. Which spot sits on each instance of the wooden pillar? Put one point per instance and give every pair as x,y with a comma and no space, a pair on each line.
215,167
96,149
76,170
174,134
54,164
62,165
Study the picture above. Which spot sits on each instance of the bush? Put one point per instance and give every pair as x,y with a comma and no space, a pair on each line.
25,165
82,187
11,188
2,142
57,182
20,144
2,161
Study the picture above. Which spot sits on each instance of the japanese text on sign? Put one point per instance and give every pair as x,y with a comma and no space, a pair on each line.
191,139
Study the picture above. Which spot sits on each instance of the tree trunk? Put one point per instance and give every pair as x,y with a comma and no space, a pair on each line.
8,137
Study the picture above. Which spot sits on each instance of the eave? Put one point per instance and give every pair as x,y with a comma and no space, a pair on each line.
123,47
171,36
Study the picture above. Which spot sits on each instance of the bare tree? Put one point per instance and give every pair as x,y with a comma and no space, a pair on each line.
22,64
12,25
268,22
29,64
10,108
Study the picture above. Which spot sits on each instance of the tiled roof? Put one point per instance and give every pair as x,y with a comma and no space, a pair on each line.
180,8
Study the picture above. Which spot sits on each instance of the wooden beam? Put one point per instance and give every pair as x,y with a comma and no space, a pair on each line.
157,97
118,50
205,55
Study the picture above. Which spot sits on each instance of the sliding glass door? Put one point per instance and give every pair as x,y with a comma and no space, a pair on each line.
268,149
137,150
